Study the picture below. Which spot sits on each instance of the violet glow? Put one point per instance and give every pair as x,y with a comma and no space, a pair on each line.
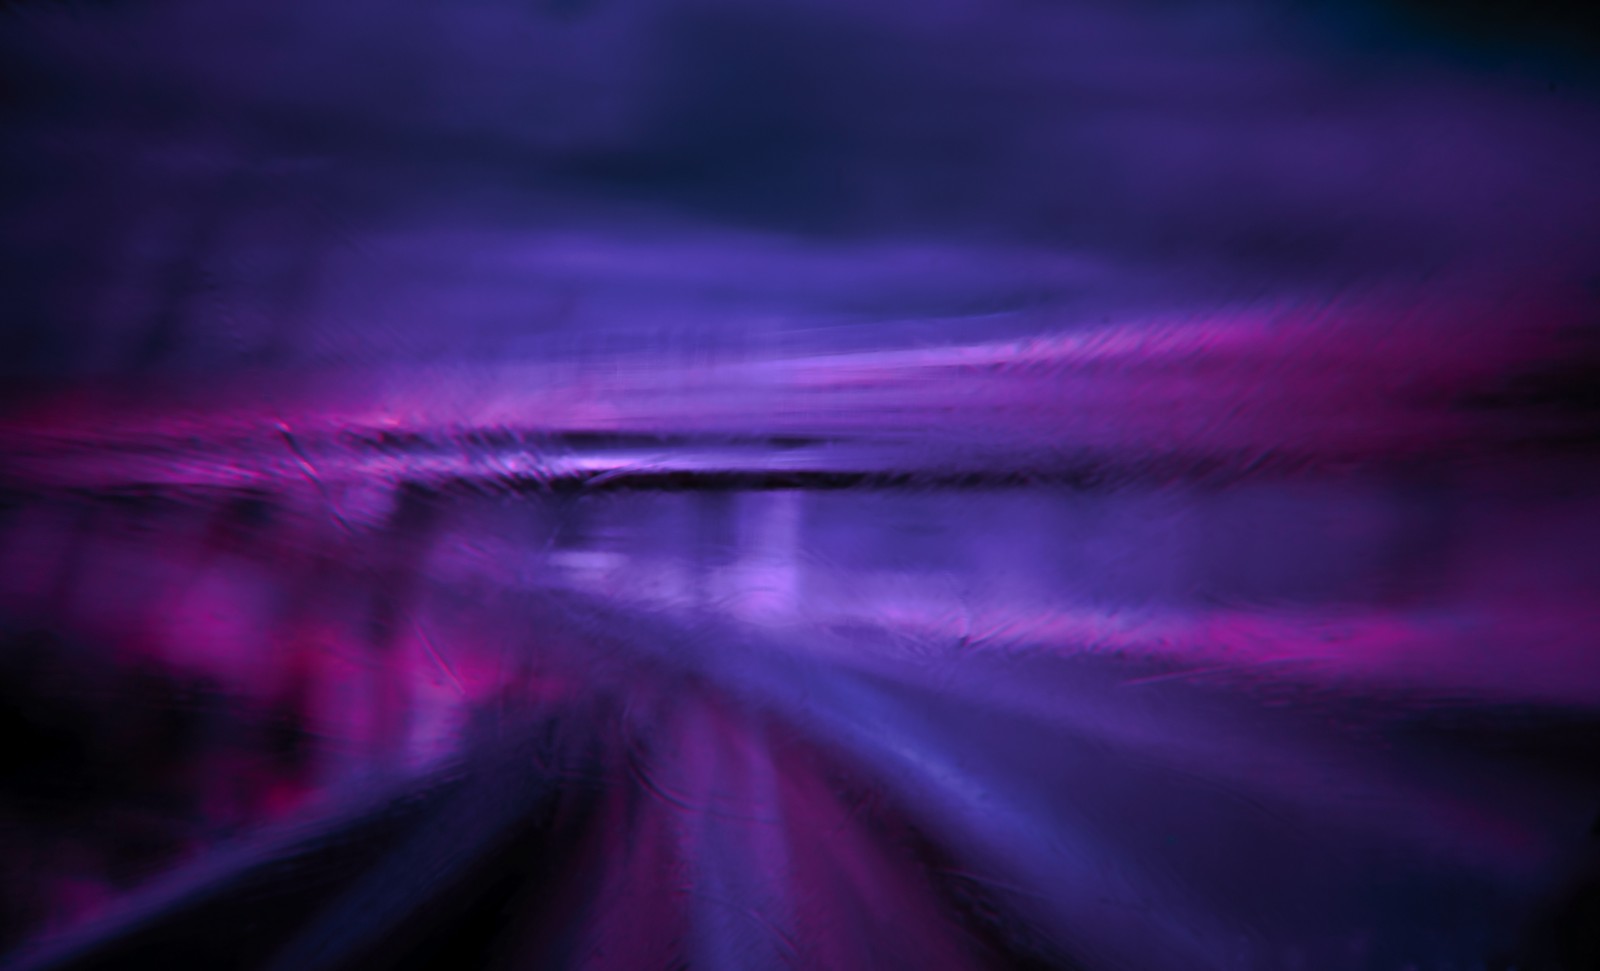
717,484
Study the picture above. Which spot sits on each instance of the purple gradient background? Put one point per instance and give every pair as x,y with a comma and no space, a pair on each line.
715,484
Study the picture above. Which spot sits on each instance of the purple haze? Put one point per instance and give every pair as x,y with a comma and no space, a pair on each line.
625,484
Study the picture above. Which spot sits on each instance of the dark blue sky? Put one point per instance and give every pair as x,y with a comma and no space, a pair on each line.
257,183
